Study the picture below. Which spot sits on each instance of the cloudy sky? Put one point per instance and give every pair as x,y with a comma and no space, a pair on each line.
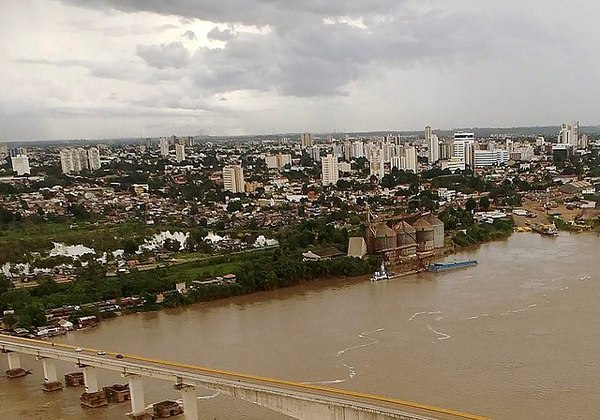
129,68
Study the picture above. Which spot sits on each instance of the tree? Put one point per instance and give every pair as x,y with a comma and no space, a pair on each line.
130,246
471,205
484,203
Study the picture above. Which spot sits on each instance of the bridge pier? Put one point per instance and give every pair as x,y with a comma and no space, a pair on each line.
136,391
90,380
14,365
51,382
92,397
189,396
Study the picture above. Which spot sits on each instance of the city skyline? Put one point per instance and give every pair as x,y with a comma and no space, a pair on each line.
123,69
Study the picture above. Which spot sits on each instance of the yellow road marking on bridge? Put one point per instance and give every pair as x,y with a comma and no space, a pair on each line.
236,375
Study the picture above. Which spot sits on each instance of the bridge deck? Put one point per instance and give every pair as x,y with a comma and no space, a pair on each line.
216,379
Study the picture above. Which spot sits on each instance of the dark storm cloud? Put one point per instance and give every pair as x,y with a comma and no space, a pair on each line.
252,12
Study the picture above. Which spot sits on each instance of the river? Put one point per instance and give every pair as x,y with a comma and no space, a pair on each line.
516,337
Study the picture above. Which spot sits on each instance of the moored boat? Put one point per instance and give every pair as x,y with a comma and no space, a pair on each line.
380,274
435,267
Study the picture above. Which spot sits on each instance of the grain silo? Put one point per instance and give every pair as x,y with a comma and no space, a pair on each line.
438,230
424,234
405,233
385,237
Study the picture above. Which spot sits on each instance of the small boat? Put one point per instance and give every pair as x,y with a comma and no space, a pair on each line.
547,230
380,274
435,267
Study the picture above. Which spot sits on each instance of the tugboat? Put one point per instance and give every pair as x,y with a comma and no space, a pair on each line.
380,274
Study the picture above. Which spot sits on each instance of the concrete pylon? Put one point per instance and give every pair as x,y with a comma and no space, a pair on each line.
51,382
14,365
14,360
189,396
136,391
90,379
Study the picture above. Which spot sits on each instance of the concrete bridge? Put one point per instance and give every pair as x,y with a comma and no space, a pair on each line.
294,399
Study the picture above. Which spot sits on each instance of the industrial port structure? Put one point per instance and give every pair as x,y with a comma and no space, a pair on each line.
403,239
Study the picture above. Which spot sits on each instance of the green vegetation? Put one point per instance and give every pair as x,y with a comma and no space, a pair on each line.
484,232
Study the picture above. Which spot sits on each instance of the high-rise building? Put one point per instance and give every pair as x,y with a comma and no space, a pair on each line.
278,161
315,153
233,178
329,170
410,154
569,134
464,147
434,149
66,161
94,159
180,152
306,140
428,134
358,149
80,160
164,146
20,164
376,166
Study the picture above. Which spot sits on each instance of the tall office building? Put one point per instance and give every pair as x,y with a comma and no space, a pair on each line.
180,152
306,140
233,178
164,146
569,134
94,159
20,164
329,170
428,133
464,147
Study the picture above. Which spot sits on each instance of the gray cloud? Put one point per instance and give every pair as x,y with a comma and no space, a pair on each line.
220,34
189,35
164,55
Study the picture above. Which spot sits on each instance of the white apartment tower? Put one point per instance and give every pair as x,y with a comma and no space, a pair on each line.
66,161
434,149
20,164
164,146
329,170
233,178
376,164
410,154
180,152
94,158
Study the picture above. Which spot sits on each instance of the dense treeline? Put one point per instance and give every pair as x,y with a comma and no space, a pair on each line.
484,232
